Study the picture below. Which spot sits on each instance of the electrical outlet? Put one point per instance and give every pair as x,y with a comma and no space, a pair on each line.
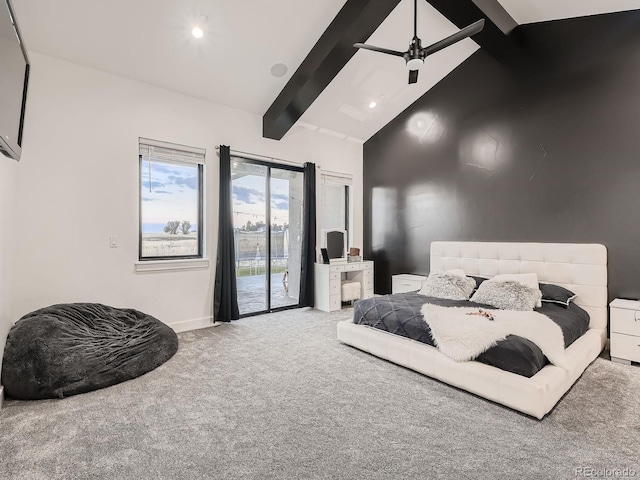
113,241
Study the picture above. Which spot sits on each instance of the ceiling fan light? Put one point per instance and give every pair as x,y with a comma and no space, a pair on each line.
415,63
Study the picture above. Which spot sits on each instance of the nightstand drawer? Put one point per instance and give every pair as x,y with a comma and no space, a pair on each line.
406,283
625,346
625,321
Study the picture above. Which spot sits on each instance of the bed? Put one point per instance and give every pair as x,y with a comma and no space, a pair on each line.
582,268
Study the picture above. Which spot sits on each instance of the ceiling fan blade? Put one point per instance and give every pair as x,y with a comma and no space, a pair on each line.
413,76
379,49
456,37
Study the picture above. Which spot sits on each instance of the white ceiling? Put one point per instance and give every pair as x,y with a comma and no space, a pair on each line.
531,11
371,76
150,41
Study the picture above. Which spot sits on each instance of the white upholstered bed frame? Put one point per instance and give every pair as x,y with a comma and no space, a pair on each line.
582,268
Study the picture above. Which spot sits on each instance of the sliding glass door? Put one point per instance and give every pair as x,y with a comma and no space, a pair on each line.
267,212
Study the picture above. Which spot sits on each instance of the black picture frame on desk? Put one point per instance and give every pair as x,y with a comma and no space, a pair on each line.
325,255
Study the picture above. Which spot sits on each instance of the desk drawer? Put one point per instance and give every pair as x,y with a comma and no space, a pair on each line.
334,287
334,303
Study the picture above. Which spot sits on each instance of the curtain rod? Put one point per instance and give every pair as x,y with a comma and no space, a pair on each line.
258,157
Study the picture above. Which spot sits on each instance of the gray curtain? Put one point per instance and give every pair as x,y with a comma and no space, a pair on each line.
225,293
308,236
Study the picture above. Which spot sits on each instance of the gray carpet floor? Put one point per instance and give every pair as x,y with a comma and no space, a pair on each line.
277,396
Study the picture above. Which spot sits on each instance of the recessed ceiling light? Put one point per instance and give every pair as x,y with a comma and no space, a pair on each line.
198,31
279,70
373,104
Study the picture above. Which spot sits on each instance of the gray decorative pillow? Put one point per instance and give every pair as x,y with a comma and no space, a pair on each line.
448,285
508,295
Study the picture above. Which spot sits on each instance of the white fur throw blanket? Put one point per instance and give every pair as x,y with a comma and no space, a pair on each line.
463,337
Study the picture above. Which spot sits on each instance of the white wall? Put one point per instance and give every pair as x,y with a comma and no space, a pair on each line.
78,184
8,234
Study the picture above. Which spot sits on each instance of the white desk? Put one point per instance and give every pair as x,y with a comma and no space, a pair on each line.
328,282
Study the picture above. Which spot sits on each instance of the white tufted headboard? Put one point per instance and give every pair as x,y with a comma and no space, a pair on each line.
582,268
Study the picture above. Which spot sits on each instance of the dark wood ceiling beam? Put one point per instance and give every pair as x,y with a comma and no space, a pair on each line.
499,37
498,15
356,22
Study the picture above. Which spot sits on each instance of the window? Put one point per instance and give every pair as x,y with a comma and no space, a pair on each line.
171,193
336,203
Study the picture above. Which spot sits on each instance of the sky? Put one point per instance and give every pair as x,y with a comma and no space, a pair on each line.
249,200
169,192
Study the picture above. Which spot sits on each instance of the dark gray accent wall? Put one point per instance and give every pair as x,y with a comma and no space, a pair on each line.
542,147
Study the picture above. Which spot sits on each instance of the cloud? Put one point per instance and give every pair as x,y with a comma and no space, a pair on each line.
190,182
147,199
164,192
167,169
154,184
280,201
247,194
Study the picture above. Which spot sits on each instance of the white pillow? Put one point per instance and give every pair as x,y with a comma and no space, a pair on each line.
508,295
447,285
457,271
529,279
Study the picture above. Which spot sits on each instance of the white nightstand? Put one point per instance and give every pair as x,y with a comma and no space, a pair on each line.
625,331
407,283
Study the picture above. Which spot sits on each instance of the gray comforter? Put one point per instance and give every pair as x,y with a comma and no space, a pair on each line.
400,314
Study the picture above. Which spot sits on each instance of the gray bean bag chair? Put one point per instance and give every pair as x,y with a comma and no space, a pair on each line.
67,349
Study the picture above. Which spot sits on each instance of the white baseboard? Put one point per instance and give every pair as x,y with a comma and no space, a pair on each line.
194,324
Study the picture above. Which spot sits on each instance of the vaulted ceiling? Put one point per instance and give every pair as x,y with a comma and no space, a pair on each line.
151,41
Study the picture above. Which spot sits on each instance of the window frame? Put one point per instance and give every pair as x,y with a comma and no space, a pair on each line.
200,205
246,158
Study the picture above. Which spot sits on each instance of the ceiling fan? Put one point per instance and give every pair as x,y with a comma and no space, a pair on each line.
416,54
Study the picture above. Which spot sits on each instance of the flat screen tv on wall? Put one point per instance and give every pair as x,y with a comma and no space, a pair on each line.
14,77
